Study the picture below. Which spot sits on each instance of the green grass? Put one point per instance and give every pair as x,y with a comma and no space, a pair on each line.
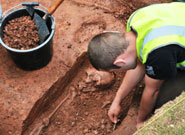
168,120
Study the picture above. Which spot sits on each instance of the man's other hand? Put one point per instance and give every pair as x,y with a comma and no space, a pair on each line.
114,112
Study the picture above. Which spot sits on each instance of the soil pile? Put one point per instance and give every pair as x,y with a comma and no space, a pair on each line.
21,33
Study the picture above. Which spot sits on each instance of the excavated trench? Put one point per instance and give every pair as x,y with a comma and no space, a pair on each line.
75,104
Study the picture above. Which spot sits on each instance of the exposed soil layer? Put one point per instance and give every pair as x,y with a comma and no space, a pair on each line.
83,107
85,111
21,33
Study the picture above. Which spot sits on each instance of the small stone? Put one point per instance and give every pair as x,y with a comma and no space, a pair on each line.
95,132
86,130
102,126
73,123
86,113
103,121
58,122
171,125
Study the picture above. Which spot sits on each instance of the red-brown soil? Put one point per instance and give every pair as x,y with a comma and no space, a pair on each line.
83,108
21,33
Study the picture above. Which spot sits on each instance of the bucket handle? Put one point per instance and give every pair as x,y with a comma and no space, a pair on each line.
11,9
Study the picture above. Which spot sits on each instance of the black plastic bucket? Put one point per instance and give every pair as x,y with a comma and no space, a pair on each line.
34,58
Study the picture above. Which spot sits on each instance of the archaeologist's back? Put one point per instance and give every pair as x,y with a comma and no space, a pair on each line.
158,26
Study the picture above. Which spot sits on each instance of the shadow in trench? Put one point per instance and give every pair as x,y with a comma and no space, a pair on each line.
171,89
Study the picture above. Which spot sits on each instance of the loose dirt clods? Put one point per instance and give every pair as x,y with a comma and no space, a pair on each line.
85,111
21,33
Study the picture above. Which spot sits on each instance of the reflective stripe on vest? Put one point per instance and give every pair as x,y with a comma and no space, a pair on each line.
181,65
156,26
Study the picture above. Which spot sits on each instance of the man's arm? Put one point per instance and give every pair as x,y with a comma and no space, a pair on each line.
148,99
132,77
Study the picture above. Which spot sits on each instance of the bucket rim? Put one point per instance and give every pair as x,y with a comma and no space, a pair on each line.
32,49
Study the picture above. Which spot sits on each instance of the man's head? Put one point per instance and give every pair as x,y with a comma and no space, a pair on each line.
104,48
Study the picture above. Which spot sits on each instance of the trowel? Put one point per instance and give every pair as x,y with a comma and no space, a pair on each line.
40,22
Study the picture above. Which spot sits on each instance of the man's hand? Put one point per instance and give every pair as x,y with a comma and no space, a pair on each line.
139,125
132,77
114,112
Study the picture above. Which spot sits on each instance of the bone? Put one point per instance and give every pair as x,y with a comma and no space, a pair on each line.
99,78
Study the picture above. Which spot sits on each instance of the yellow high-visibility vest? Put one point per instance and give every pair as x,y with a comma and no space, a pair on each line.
156,26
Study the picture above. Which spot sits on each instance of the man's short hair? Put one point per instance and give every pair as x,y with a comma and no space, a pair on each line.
104,48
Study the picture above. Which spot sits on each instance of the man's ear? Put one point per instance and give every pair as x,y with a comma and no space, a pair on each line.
119,62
